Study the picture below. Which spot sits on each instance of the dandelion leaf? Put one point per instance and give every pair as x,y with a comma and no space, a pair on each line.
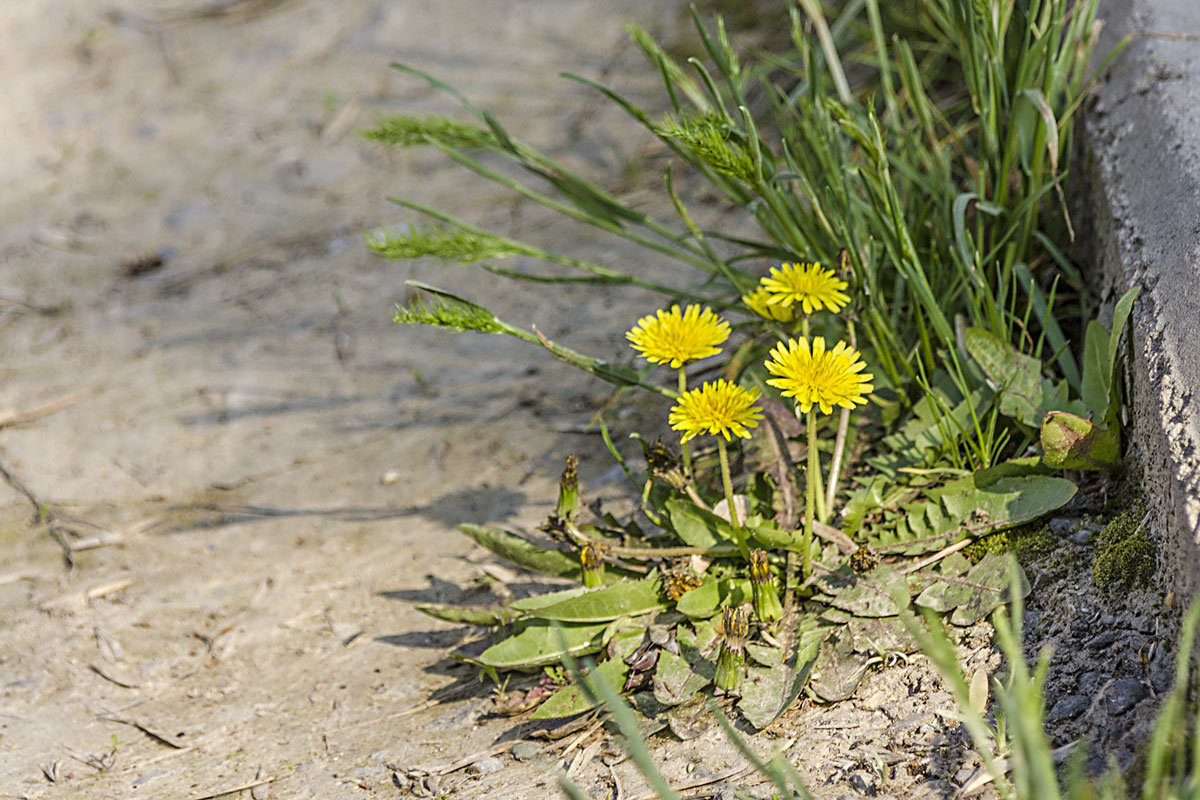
1072,442
676,680
1006,502
471,615
690,720
706,599
1017,376
538,644
530,556
697,527
621,599
868,595
984,587
838,669
571,699
768,691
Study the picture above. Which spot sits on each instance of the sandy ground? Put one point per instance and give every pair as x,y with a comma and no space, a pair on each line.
273,468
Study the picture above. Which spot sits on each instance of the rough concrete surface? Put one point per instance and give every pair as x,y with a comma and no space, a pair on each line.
1142,134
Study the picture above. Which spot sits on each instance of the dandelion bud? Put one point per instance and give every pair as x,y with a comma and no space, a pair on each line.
591,557
766,598
568,491
731,663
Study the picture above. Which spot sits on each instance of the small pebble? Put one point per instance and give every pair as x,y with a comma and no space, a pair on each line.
525,751
1100,640
1124,694
486,766
389,477
1068,707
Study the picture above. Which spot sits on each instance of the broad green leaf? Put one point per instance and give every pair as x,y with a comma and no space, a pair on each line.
878,636
471,615
768,534
548,599
675,680
538,645
1097,370
1008,501
697,527
988,588
689,720
768,692
1011,372
1071,442
571,699
621,599
706,599
838,669
1120,316
866,595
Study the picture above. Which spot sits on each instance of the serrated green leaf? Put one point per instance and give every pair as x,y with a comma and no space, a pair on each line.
838,669
676,680
769,691
571,699
471,615
877,636
866,595
971,603
621,599
527,555
537,645
707,598
1011,372
1072,442
697,527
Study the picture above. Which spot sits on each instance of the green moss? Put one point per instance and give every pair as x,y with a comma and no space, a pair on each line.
1029,542
1125,554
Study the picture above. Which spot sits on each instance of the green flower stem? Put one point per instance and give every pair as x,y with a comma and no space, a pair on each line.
813,476
684,448
738,533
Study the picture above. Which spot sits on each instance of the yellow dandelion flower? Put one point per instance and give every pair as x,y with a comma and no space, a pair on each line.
674,337
820,377
718,407
811,286
758,301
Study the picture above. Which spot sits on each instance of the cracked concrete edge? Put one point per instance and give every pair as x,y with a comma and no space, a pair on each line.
1140,141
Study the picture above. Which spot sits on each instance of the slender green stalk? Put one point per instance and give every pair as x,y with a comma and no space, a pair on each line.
813,487
685,448
738,533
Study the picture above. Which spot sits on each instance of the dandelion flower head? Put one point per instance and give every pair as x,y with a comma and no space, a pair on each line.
675,338
759,301
819,377
719,408
809,285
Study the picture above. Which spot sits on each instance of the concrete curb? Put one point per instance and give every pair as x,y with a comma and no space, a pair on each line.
1141,139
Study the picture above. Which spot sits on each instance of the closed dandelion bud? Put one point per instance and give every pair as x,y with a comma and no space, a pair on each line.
568,491
591,557
731,663
766,598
